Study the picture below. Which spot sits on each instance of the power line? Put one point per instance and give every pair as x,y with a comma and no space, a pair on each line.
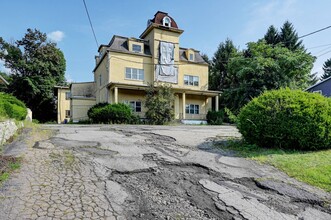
320,51
324,53
324,45
88,15
314,32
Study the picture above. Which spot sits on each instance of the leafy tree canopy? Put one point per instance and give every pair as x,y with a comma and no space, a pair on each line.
36,65
327,69
265,67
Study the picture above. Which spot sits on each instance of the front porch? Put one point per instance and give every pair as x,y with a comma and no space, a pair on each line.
188,104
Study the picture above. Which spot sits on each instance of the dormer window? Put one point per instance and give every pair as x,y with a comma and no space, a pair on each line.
136,48
166,21
191,57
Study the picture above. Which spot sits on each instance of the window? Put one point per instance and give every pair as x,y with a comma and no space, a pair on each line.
191,80
135,105
67,95
318,91
191,57
67,113
166,21
100,80
133,73
192,109
136,48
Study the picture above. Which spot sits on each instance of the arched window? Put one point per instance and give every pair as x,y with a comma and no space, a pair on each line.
166,21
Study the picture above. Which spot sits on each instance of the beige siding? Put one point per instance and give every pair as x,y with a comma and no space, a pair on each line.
80,107
133,95
62,105
119,62
101,83
194,70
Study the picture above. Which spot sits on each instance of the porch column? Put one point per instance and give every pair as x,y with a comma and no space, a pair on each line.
184,106
216,103
115,95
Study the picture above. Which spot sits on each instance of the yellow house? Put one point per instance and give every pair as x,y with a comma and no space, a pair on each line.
63,104
126,66
74,101
82,99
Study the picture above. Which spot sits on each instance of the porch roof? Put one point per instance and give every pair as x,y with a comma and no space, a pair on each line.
176,90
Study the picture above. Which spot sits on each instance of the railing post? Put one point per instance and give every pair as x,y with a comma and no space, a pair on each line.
184,105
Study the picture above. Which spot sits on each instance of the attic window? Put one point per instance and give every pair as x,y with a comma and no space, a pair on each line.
167,21
136,48
191,57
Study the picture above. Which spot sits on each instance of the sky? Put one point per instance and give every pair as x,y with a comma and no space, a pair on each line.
205,23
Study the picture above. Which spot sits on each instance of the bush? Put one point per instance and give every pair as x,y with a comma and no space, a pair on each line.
287,119
11,107
111,113
159,104
215,117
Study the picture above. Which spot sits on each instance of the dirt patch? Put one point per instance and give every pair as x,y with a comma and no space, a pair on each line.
5,161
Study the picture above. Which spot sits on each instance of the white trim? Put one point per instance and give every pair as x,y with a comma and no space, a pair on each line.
164,21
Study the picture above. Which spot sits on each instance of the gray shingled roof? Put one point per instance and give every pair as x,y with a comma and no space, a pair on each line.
197,57
120,44
85,89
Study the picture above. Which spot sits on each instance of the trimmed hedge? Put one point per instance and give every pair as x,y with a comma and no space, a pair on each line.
112,113
11,107
215,117
287,119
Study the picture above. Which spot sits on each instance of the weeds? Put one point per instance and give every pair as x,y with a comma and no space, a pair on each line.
312,167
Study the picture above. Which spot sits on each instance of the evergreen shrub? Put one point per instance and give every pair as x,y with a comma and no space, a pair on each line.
287,119
215,117
111,113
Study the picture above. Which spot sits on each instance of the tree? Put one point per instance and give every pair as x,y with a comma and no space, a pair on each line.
327,69
265,67
36,65
159,104
289,37
272,36
218,75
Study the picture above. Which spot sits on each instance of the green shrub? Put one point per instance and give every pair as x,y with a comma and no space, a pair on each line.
111,113
159,103
287,119
11,107
215,117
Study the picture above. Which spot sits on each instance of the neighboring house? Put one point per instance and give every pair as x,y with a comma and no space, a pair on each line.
63,103
126,66
74,101
82,99
323,87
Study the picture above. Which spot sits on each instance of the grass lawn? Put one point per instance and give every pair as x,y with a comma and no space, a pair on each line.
313,168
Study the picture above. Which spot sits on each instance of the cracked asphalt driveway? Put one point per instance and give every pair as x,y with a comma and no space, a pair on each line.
151,172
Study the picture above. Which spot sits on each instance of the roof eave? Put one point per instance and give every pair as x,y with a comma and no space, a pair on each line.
153,25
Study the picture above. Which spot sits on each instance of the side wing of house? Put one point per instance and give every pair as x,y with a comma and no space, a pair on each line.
323,87
63,104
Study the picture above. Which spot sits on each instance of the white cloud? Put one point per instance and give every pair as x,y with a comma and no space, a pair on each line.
56,36
274,12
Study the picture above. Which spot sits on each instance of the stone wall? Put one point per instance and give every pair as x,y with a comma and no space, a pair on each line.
7,129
